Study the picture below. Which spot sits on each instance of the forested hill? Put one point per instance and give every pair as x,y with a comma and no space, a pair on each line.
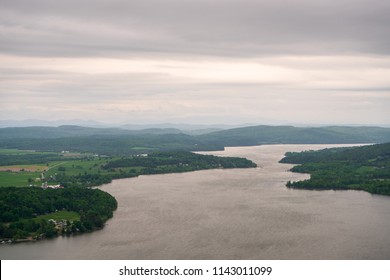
111,144
116,141
257,135
362,168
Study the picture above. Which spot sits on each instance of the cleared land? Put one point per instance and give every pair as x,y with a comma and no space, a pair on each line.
60,215
24,168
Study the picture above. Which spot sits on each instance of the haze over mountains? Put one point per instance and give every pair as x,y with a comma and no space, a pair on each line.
184,126
133,126
126,141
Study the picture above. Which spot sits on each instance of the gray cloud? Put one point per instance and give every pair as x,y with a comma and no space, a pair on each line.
202,27
198,61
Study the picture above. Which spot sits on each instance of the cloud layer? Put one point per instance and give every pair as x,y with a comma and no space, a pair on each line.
296,61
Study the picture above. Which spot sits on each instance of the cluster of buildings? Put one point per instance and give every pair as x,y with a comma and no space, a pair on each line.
46,186
60,226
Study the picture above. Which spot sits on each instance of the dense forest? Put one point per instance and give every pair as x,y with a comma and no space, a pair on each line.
360,168
21,211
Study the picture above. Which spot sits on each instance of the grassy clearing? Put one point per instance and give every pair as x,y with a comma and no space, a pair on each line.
76,167
60,215
17,179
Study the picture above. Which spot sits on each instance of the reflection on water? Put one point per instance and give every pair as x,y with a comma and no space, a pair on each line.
229,214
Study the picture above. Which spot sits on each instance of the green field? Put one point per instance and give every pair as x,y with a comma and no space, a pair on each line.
17,179
60,215
76,167
22,175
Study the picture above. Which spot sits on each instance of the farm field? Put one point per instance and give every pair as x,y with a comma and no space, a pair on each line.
47,163
16,179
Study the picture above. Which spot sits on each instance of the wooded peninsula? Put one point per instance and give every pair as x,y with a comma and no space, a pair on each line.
360,168
34,213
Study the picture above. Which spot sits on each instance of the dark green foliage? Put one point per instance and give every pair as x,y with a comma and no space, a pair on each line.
362,168
86,180
180,160
33,158
18,207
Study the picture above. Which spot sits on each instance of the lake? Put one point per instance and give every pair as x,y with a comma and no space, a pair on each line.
229,214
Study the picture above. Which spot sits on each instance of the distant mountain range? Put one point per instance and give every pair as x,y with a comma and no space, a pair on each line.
125,141
47,132
95,124
250,135
35,122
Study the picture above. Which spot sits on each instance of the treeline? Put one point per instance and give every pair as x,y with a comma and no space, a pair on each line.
87,180
378,153
362,168
19,208
31,158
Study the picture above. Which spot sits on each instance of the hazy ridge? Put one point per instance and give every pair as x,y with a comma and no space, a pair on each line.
118,140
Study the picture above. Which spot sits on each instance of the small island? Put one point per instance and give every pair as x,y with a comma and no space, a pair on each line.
364,168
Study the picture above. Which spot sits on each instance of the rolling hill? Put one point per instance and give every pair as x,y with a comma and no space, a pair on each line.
257,135
122,141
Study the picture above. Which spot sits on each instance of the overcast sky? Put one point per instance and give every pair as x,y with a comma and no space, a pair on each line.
196,61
